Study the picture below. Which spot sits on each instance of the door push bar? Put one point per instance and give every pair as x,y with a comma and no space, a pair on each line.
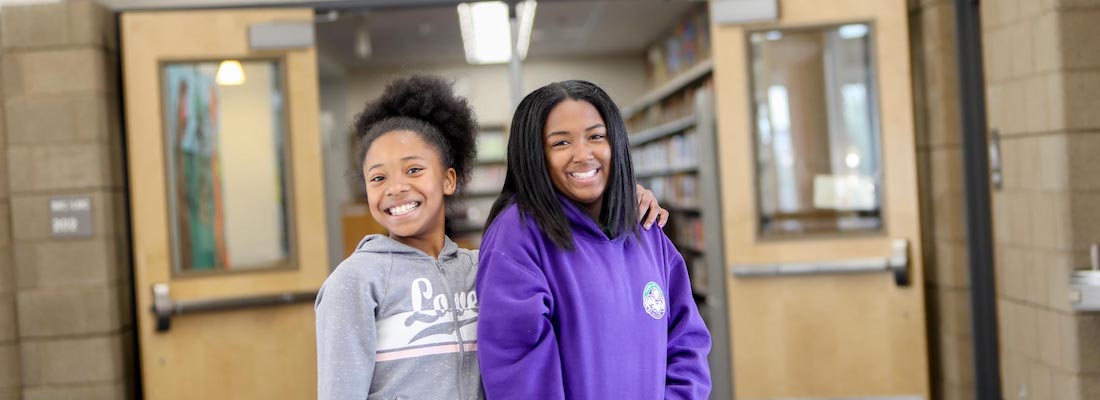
164,308
897,263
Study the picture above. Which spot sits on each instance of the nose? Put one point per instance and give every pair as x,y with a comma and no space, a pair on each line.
396,186
582,152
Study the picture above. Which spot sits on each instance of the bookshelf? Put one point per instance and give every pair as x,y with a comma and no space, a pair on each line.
662,131
665,90
670,129
673,144
466,225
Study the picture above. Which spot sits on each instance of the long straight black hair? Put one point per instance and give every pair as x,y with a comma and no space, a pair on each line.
527,182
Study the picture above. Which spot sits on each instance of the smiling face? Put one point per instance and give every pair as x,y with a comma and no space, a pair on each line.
578,153
406,183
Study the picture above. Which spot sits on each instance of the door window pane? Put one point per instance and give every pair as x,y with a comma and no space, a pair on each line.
227,162
818,156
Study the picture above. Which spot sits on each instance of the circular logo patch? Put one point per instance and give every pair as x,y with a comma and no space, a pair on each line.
653,299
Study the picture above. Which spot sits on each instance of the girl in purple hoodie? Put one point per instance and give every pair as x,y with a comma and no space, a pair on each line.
576,301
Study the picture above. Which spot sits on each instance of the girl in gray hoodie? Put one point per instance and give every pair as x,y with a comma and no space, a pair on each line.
398,318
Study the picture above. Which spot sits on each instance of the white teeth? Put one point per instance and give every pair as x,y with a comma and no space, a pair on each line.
403,209
583,175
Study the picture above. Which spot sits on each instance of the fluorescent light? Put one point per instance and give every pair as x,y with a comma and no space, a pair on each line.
485,32
230,73
526,12
7,3
362,43
852,31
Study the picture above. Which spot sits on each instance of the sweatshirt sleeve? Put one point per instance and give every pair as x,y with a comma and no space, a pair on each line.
517,348
346,337
688,374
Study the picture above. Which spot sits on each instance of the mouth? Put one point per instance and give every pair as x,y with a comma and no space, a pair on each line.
403,209
584,175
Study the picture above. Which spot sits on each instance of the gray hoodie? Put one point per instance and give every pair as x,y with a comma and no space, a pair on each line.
394,323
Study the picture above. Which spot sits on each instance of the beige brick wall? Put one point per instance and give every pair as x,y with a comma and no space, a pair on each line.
939,151
1042,65
10,370
1043,90
69,298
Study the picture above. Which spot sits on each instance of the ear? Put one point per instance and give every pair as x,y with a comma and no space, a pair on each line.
450,182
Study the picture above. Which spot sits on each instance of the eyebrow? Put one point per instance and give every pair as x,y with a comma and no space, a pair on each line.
403,159
586,130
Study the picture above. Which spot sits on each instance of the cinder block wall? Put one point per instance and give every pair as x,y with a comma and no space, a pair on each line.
1042,67
1042,70
939,157
65,326
10,372
72,306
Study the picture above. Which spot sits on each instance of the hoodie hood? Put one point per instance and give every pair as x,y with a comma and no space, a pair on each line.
583,225
382,244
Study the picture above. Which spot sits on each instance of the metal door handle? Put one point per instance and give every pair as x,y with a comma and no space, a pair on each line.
164,308
897,263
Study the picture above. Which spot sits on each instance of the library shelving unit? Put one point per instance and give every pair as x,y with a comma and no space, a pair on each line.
673,144
467,226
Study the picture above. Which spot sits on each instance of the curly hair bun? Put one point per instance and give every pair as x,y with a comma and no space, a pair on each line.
430,99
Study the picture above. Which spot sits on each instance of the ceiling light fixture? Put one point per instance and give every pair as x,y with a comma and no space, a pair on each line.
526,12
363,48
230,73
486,32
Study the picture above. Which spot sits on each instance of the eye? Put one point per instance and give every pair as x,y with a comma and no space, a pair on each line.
559,143
414,170
377,178
597,136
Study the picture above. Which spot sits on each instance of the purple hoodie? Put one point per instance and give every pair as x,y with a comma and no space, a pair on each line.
611,319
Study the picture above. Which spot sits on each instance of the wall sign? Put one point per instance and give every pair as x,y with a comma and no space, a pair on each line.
743,11
280,35
71,216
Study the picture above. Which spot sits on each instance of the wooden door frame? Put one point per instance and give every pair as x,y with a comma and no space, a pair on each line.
901,218
146,197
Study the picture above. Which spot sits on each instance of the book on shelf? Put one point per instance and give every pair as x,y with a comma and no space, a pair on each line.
689,234
491,145
697,274
672,153
683,46
676,105
486,178
679,190
466,222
